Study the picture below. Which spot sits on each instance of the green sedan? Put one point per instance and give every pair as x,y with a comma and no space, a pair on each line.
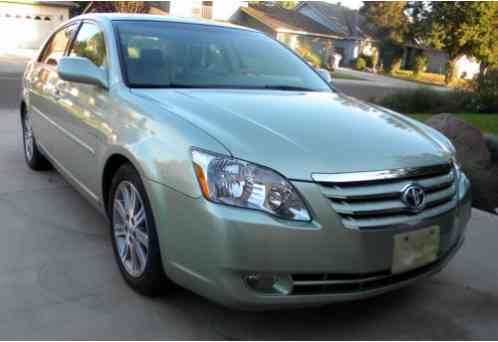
229,166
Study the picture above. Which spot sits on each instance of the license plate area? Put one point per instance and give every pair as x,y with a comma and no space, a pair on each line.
415,249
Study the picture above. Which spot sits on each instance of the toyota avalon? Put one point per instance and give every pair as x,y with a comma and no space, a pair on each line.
228,165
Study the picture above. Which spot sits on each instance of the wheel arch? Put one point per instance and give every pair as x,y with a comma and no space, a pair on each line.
111,166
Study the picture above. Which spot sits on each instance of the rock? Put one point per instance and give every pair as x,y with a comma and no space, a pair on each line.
467,139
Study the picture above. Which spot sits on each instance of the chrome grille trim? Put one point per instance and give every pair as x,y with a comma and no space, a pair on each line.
369,176
377,203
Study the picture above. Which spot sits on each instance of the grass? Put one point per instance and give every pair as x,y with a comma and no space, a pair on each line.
487,123
427,78
338,75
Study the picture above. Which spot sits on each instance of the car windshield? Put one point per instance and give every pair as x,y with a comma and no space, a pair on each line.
159,54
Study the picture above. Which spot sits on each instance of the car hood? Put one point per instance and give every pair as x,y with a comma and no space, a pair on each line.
300,133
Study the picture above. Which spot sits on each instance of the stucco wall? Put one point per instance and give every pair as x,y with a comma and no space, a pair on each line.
221,10
436,61
467,67
349,49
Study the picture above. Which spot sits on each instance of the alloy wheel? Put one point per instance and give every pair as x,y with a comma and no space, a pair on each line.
28,137
130,229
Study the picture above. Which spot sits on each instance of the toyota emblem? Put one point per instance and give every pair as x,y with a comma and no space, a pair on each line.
414,197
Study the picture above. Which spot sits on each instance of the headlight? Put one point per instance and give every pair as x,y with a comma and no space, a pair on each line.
241,184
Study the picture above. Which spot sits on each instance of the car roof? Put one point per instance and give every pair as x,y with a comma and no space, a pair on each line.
163,18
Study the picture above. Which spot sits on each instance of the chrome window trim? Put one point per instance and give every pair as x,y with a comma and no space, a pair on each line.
368,176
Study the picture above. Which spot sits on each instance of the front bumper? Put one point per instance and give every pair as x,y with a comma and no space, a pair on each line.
210,249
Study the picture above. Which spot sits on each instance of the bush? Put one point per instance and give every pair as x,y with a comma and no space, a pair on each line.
419,64
492,142
431,101
360,63
368,60
487,87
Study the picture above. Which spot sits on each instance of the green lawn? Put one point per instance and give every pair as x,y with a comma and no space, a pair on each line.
427,78
487,123
344,76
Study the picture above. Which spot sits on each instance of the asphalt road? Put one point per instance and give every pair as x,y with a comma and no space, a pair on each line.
376,86
58,279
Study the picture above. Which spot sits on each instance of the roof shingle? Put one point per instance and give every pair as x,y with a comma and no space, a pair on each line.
277,18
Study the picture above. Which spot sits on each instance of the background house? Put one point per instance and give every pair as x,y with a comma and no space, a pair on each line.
213,10
302,34
26,24
345,22
467,67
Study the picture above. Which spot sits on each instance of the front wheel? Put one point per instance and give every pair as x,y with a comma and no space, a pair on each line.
34,158
133,234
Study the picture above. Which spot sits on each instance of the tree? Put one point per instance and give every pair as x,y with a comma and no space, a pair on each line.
118,6
389,22
462,28
388,19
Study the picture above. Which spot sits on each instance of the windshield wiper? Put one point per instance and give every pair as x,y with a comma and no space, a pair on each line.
287,87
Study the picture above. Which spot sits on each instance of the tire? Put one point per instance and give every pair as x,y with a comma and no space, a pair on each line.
134,237
34,158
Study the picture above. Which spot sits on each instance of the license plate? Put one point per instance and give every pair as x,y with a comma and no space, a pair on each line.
415,249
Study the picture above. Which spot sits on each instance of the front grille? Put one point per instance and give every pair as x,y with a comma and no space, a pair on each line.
372,200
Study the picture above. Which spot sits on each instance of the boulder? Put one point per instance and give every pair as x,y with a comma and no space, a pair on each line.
467,139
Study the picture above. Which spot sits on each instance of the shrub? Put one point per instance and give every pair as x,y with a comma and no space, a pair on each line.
487,87
431,101
360,63
368,60
419,64
492,142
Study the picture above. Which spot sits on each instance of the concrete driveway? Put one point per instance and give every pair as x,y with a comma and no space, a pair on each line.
58,279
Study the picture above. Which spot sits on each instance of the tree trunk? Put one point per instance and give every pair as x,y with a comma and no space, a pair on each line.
451,71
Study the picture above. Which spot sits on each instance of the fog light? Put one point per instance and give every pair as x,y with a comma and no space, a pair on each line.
269,283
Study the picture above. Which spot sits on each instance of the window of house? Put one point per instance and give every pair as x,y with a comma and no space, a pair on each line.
90,43
54,50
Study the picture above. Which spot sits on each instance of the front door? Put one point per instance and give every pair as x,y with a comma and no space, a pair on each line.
82,110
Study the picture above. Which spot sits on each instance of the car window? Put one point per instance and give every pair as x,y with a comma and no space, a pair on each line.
89,43
56,46
162,54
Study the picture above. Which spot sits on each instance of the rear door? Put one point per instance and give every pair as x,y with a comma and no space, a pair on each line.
44,99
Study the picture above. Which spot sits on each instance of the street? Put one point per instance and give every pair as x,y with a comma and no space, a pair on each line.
59,280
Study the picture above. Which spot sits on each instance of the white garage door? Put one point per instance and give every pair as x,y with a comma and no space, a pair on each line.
27,32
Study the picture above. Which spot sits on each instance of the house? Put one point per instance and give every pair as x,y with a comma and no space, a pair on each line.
26,24
304,35
437,60
213,10
356,38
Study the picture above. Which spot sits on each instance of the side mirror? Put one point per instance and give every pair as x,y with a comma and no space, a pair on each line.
325,74
81,70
